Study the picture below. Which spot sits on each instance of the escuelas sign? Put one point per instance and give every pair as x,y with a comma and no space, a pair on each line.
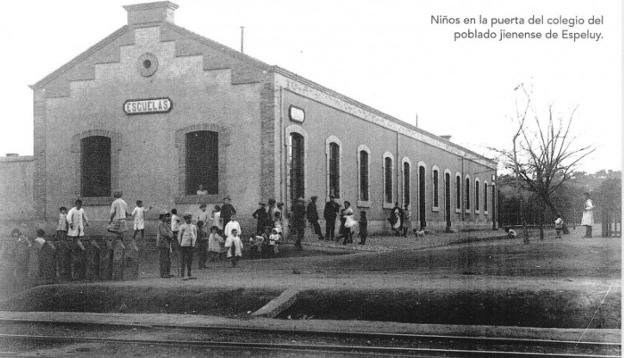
151,105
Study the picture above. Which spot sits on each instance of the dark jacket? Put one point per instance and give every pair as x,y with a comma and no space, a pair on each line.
311,212
298,217
227,210
331,210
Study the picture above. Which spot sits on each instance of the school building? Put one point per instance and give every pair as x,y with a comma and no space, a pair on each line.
155,110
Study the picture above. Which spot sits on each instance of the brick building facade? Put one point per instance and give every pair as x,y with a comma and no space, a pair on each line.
160,110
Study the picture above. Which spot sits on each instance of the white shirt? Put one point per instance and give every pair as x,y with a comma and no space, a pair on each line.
175,222
231,225
78,218
139,217
187,235
216,219
203,216
120,208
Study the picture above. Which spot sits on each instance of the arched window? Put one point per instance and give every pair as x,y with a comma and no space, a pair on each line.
95,163
435,172
485,197
387,169
476,193
407,167
458,181
467,194
334,156
363,173
202,161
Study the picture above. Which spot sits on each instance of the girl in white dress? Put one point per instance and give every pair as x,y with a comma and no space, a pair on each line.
588,216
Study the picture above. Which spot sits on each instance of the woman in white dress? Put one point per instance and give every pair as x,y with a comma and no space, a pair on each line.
588,216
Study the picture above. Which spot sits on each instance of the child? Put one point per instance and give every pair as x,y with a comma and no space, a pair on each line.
273,242
214,243
558,226
234,247
175,222
202,245
363,227
77,220
216,218
61,227
187,237
256,244
511,233
163,241
277,224
139,219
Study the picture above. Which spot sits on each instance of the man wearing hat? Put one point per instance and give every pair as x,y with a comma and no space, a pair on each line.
298,221
262,216
329,213
227,210
312,215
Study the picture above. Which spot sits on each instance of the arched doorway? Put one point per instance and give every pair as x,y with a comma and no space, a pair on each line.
296,166
447,199
421,197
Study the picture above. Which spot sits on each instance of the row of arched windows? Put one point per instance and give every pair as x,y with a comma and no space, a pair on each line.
388,168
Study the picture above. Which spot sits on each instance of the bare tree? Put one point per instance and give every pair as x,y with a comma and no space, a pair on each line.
544,153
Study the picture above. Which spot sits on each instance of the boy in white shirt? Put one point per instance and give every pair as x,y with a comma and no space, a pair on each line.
77,220
187,237
234,246
139,219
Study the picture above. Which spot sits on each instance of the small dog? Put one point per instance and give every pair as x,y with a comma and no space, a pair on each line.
419,233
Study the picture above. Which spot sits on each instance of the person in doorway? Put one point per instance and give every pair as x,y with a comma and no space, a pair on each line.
329,213
201,190
312,215
588,216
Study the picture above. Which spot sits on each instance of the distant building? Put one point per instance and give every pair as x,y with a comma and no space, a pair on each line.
156,110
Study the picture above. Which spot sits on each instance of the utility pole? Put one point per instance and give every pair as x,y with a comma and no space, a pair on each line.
242,39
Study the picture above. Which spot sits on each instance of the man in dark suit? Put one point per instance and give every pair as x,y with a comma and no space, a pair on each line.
313,217
329,213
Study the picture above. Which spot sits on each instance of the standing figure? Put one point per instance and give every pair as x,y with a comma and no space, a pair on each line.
202,245
231,225
227,210
214,243
77,220
118,216
274,238
298,221
588,216
175,251
262,217
558,226
329,213
187,237
363,227
163,241
348,223
63,255
20,256
204,216
405,219
234,245
313,217
216,218
139,219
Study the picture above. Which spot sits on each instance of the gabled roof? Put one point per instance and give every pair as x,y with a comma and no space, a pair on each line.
260,65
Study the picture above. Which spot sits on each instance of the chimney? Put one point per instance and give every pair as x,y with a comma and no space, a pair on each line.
446,137
151,12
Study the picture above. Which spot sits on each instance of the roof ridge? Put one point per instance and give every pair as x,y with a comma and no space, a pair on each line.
81,57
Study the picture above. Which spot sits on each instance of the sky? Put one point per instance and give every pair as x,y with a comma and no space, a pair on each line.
387,54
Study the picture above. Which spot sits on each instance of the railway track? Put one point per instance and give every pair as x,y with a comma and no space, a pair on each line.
363,343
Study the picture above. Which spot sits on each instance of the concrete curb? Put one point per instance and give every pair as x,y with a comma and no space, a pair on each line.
327,326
